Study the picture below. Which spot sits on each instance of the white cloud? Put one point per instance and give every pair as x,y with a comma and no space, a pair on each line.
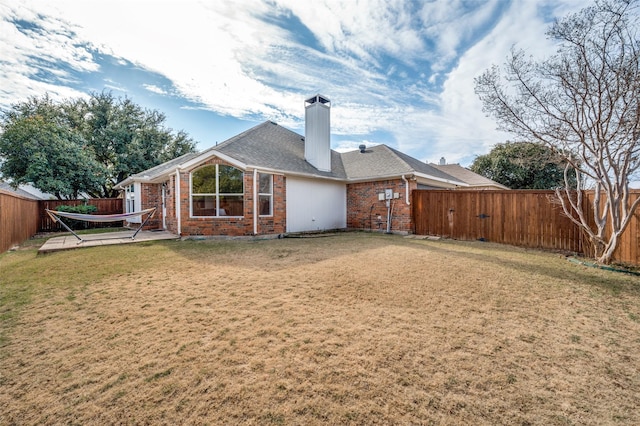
155,89
458,129
231,57
24,52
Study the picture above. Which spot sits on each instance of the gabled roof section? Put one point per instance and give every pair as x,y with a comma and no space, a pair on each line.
273,147
383,161
167,166
467,176
158,171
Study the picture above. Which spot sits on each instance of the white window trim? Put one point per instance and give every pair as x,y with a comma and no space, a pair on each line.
132,201
216,195
270,194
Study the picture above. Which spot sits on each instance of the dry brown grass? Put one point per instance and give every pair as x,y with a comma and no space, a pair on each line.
352,329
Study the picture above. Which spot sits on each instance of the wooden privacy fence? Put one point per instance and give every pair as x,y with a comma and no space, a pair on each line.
21,218
104,205
524,218
18,219
628,250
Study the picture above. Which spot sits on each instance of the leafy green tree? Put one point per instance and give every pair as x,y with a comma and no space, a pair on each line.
125,138
522,165
84,145
584,103
39,148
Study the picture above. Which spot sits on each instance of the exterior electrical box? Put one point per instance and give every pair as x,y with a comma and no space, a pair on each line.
388,194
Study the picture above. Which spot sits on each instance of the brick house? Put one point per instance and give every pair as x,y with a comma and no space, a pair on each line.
270,180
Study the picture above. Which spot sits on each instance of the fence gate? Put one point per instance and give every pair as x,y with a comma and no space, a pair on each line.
523,218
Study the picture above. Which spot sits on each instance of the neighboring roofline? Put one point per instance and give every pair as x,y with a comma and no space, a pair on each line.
452,170
437,179
21,196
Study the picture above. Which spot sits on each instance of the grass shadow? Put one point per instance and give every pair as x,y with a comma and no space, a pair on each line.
552,265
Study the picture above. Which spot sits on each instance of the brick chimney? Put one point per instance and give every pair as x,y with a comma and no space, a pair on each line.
317,132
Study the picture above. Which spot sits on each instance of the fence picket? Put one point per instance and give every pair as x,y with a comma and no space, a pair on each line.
21,218
523,218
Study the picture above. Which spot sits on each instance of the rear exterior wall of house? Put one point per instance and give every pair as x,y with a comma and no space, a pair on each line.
152,197
214,226
366,211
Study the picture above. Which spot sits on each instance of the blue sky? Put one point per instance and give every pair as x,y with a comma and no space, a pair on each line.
397,72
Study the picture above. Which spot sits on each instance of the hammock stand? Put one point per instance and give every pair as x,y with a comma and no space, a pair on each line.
55,215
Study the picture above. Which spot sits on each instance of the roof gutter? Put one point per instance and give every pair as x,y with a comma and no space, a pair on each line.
121,185
399,176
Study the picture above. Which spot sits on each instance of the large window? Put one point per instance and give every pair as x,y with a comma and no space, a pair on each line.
265,195
217,190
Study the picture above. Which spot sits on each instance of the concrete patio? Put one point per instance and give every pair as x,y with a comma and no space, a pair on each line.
69,242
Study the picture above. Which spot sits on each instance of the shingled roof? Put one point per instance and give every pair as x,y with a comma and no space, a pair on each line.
473,179
162,169
381,161
272,147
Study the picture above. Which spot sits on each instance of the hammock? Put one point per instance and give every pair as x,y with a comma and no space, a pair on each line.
55,216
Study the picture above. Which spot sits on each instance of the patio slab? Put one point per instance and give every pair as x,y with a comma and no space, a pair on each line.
69,242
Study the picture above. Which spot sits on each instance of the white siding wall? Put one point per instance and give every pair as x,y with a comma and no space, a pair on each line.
133,202
315,205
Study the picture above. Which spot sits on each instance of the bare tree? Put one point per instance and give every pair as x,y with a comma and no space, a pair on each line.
584,102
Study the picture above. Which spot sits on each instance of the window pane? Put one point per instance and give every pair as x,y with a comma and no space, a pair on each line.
265,183
204,205
231,181
231,205
265,205
203,180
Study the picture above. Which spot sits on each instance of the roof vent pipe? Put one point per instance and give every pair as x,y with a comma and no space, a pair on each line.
362,148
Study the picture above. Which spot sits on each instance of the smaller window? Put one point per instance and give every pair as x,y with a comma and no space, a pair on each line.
265,194
130,199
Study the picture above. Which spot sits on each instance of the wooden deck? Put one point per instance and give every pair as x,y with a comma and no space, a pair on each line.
69,242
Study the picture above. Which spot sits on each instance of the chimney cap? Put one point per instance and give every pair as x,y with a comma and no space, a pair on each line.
362,148
318,98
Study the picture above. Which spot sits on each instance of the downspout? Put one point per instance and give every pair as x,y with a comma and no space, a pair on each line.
178,203
255,201
389,210
406,189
